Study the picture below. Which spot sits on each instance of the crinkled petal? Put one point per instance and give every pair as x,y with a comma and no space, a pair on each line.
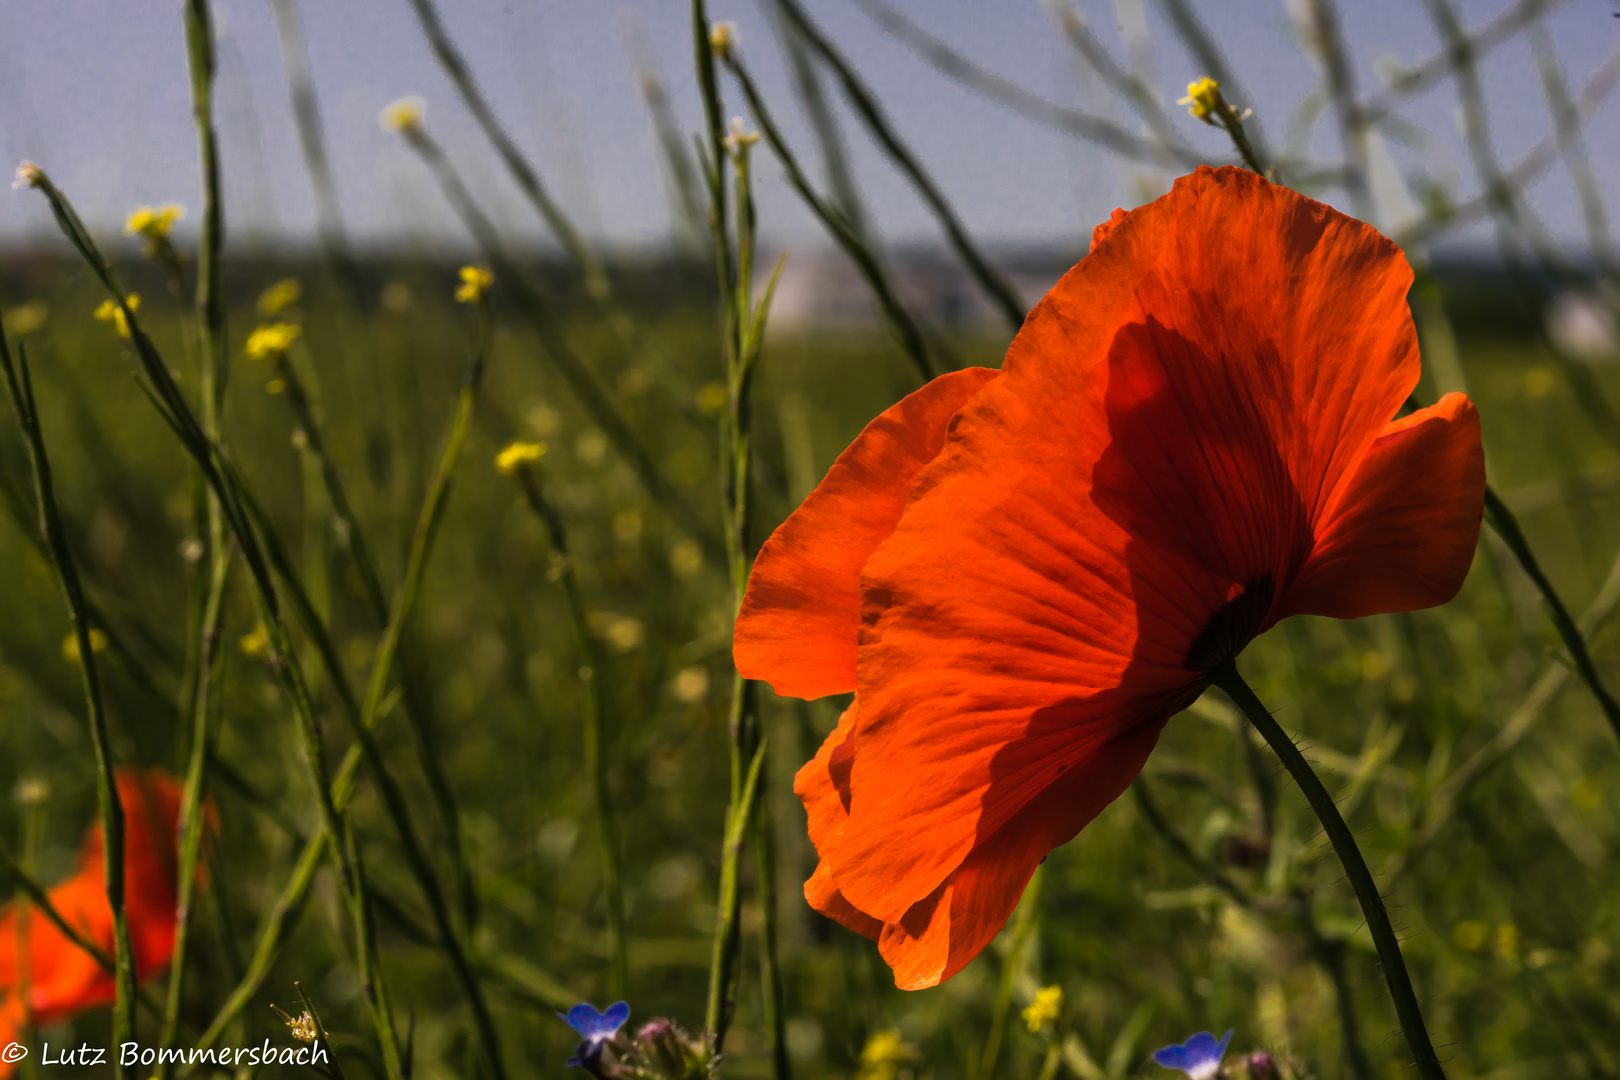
1169,426
822,783
1403,532
937,937
797,626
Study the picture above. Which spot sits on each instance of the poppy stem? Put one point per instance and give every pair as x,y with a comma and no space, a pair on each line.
1227,678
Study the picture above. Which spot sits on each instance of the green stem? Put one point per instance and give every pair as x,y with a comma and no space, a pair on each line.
192,818
427,527
1025,923
1355,867
770,959
225,484
1001,294
1507,527
413,700
202,701
592,674
717,1016
908,333
111,808
564,359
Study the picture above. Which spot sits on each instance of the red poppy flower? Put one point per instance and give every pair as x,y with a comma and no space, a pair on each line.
1023,574
62,978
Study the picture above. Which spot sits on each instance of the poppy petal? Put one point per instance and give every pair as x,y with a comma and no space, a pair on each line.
937,937
797,626
822,894
822,783
1403,531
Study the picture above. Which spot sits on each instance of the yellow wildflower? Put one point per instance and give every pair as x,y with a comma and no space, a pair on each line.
723,39
1203,97
255,644
110,312
26,318
713,397
271,340
70,645
1045,1008
518,455
403,117
154,223
883,1054
303,1027
280,296
475,284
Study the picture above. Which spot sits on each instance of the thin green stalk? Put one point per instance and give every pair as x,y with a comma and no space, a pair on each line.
845,196
1502,521
366,930
207,453
592,675
1507,527
598,286
1096,55
555,345
1201,43
205,705
1011,95
202,701
908,333
722,999
1421,76
1355,867
527,178
1530,166
427,527
414,704
1001,294
743,327
1023,925
770,959
110,806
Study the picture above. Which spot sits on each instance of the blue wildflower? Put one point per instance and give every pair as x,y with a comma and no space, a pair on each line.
596,1029
1199,1057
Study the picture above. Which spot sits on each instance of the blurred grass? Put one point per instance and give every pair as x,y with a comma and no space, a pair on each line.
1510,917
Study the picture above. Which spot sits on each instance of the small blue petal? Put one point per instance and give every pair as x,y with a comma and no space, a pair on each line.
582,1017
1172,1057
1199,1057
1202,1047
597,1026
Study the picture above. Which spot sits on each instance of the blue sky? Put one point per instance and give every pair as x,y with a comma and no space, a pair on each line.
96,92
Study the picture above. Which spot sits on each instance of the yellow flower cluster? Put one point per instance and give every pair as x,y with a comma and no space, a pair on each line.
110,312
475,284
518,455
1045,1008
70,645
883,1055
1203,97
257,643
154,223
271,340
403,117
723,39
280,296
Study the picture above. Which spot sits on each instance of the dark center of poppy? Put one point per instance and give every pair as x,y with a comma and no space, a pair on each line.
1231,627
